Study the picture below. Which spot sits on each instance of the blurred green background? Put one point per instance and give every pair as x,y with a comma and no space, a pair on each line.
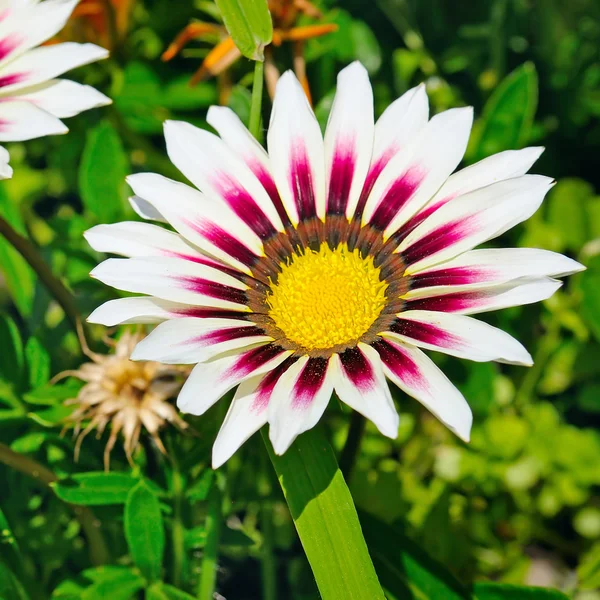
521,503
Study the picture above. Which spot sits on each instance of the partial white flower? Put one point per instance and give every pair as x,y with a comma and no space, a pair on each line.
326,264
32,100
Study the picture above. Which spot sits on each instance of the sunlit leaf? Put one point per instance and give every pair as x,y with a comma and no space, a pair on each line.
495,591
95,488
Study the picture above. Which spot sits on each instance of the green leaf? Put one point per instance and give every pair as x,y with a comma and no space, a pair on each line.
116,583
11,365
102,173
144,530
404,569
51,395
164,591
508,114
10,587
38,362
199,491
324,514
497,591
366,46
590,284
19,276
249,25
95,488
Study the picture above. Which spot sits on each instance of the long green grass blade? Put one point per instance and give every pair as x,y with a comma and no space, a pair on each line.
326,519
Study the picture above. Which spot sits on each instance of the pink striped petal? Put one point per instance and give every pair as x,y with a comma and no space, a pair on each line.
145,309
349,140
473,219
411,178
489,267
144,209
191,340
416,375
359,381
173,279
208,224
394,130
216,170
209,381
501,166
296,151
247,414
21,121
299,399
525,290
457,335
239,139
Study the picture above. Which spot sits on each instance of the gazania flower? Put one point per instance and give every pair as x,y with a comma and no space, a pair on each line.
326,264
32,100
125,395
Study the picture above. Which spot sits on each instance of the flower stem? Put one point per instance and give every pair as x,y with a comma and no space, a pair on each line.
89,523
208,573
177,528
256,105
33,257
352,445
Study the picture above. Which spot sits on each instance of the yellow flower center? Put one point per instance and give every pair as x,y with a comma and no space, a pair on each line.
326,298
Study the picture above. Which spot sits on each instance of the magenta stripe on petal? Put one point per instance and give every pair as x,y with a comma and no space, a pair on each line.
398,362
267,385
225,242
417,219
204,261
7,80
374,172
340,181
210,313
244,206
438,239
254,359
212,289
267,182
302,183
451,276
425,332
8,44
227,334
310,382
454,302
358,369
397,195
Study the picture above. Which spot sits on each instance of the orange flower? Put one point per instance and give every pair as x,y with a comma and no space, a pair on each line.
285,13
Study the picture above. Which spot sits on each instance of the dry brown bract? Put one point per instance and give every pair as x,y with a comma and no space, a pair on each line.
128,395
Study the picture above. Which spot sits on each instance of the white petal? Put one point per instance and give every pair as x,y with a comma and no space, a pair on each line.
130,239
5,169
172,279
485,267
366,390
216,170
47,62
469,301
143,309
63,98
349,139
296,150
20,121
416,374
199,219
211,380
189,340
457,335
412,177
472,219
299,399
144,209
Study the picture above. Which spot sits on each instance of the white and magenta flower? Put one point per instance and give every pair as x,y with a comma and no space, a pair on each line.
32,100
326,264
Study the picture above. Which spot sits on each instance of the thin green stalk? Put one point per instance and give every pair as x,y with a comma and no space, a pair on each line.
208,573
33,257
90,525
352,445
177,527
256,105
268,564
